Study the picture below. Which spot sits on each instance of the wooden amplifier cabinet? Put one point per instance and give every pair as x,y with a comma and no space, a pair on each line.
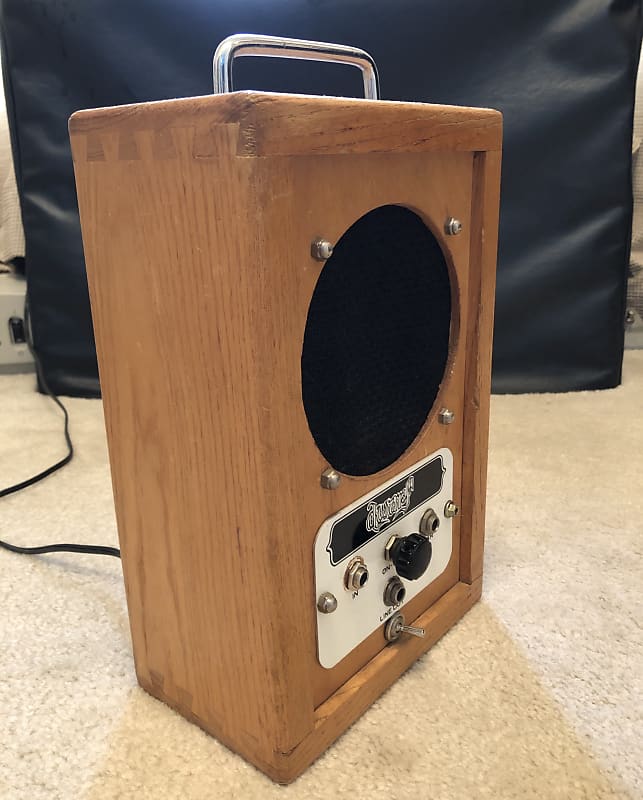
198,216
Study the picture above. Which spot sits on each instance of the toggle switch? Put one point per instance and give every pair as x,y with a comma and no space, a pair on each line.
395,627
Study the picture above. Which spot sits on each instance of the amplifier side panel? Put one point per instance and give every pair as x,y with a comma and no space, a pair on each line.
172,230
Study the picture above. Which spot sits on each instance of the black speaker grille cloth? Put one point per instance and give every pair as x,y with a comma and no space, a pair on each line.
376,340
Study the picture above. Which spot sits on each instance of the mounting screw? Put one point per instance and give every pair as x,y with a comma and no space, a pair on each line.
327,603
330,478
630,319
445,416
321,249
453,226
451,509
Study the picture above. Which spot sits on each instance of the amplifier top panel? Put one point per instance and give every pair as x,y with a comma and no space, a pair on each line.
267,123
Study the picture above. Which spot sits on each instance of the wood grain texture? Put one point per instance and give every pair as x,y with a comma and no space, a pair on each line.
197,218
482,288
370,181
277,124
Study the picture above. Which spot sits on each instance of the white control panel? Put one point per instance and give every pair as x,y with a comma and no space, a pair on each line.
360,568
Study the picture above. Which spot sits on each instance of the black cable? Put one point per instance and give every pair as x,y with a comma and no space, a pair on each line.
95,549
50,548
70,448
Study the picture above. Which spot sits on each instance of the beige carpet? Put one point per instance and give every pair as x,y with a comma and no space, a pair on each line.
537,693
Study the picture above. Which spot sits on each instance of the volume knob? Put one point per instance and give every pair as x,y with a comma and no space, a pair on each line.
411,555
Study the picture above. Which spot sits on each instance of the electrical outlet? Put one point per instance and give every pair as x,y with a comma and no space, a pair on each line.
14,351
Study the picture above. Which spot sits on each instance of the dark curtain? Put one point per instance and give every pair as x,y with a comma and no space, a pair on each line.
561,71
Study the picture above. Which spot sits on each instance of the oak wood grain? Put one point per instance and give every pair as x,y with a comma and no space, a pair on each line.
482,286
197,219
277,124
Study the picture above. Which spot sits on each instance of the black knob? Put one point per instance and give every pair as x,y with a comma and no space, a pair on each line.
411,555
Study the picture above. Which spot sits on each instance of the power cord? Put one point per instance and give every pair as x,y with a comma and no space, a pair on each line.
94,549
50,548
70,447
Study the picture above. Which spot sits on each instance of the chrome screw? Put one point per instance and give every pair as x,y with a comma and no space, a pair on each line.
451,509
453,226
321,249
330,478
445,416
327,603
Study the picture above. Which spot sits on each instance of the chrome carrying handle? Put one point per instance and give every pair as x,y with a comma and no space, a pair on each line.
249,44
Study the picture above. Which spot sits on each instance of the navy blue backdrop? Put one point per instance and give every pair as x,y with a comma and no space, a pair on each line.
561,71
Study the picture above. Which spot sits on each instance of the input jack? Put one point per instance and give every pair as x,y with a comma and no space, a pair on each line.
429,523
356,575
394,593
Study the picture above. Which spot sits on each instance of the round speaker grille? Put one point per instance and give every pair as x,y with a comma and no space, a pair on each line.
376,340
